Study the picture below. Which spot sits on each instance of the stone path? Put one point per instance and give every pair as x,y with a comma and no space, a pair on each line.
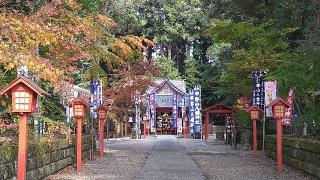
166,157
169,160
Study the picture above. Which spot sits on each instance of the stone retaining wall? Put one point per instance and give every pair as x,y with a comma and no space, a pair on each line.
42,160
302,154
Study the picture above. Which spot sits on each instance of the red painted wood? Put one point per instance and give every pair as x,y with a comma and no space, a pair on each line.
101,148
254,137
145,129
22,147
279,145
206,127
79,144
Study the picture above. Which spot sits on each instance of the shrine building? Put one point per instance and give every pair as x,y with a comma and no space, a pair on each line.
166,106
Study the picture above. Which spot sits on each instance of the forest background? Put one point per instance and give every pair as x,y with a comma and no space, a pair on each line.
128,43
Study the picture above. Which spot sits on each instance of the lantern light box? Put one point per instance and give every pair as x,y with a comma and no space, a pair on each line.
23,92
79,107
102,112
279,108
255,112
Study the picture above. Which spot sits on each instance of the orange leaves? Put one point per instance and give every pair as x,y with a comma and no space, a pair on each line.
106,20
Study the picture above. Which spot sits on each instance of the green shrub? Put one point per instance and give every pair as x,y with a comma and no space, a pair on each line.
243,119
311,118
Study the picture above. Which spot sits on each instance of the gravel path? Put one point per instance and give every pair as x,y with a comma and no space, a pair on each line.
166,157
222,162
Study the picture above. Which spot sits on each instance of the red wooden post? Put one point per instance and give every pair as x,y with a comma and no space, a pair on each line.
185,124
22,148
79,144
254,137
279,145
101,148
145,129
206,127
278,109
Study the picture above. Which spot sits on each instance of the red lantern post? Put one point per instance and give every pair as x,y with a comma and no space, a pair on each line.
24,93
102,116
278,110
254,115
79,112
144,126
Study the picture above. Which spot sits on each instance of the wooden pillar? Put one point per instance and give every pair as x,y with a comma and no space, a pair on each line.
101,148
254,121
79,144
126,128
145,129
186,127
22,147
206,126
279,145
121,129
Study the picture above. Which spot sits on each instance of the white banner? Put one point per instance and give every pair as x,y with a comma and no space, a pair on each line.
270,95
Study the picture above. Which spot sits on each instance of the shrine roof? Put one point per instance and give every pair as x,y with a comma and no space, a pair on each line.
178,86
317,93
220,108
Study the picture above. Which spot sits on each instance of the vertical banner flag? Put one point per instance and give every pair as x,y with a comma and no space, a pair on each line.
179,128
289,111
174,111
95,97
153,111
270,88
197,108
258,88
191,111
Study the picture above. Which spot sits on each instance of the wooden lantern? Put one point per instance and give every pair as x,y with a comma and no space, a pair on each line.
102,116
79,112
255,112
254,115
279,108
102,112
79,108
23,92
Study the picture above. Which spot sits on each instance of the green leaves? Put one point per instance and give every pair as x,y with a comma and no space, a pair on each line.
255,47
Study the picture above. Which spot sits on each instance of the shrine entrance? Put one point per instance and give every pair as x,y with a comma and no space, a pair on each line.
221,126
166,107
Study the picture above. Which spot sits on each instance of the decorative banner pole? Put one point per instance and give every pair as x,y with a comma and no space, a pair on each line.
278,110
102,116
254,115
24,94
79,112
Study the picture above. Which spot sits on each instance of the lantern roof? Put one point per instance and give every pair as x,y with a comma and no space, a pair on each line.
279,99
77,100
255,107
101,107
27,82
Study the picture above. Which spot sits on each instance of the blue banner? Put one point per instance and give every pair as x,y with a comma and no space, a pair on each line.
258,95
95,97
174,111
153,112
197,109
191,111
